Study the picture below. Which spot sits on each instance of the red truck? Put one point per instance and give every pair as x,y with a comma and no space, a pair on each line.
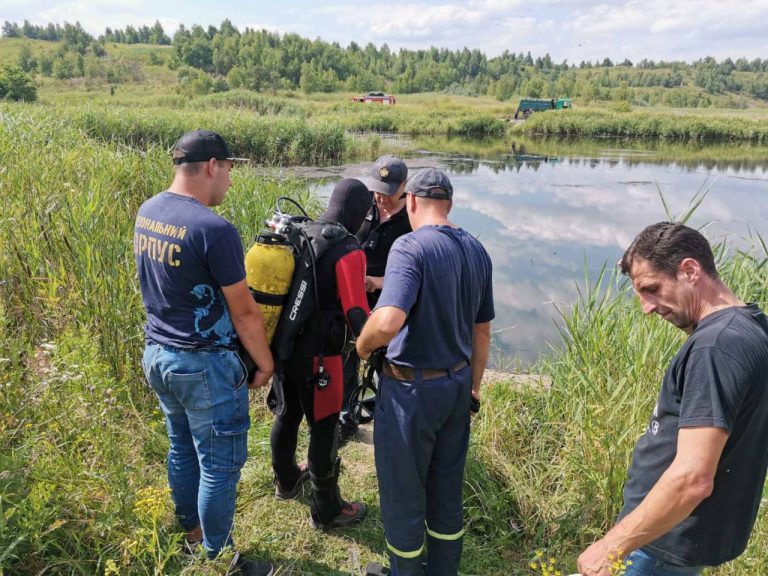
375,98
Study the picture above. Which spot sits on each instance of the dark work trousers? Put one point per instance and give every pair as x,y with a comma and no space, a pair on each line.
421,434
323,436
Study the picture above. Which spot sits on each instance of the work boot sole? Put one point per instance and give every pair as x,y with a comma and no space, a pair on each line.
341,520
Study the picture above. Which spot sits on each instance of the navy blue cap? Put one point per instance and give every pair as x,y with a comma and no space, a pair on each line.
201,146
430,183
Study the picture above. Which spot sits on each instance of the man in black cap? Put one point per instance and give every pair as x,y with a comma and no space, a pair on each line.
385,223
192,277
434,316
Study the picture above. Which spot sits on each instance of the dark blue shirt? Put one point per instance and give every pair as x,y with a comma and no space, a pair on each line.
441,277
184,255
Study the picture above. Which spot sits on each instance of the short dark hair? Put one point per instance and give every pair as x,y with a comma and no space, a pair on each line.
190,169
665,245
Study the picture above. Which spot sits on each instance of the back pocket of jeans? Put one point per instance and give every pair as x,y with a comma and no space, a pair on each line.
229,444
191,390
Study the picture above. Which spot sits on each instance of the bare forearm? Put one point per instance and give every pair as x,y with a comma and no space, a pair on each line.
481,346
686,483
249,324
381,327
250,330
370,340
669,502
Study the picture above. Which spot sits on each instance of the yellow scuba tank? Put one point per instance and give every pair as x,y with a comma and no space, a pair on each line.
269,266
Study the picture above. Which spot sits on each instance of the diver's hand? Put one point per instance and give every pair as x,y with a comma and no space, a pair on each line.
373,283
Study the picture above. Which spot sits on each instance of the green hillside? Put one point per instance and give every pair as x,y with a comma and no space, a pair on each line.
219,59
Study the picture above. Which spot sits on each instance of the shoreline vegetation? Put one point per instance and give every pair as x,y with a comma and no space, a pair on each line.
644,125
82,444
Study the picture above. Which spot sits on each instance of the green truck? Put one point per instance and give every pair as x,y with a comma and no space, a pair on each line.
528,106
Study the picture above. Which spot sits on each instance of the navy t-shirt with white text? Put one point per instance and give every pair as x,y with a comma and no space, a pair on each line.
184,255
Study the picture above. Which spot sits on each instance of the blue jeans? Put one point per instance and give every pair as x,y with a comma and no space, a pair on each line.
204,397
644,564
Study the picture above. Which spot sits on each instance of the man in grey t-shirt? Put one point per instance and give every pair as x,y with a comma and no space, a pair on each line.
697,474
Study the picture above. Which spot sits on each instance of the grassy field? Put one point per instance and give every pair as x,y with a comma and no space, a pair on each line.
155,88
82,444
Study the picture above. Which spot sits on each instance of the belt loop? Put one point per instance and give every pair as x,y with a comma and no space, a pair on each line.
418,375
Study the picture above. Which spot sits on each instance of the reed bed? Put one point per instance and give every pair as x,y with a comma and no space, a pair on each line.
647,125
257,103
413,120
560,451
82,444
273,140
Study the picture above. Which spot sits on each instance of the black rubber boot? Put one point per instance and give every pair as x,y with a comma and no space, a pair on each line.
327,509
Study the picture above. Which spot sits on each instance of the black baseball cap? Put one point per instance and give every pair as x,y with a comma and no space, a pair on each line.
387,174
430,183
201,146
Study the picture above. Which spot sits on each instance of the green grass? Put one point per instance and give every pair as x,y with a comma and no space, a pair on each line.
11,47
80,434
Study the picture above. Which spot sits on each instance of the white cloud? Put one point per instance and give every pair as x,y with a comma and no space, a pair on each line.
683,30
566,29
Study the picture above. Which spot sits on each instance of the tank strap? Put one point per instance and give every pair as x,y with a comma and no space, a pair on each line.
268,299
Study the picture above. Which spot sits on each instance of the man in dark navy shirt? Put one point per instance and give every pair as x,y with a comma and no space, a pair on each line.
434,314
697,474
192,276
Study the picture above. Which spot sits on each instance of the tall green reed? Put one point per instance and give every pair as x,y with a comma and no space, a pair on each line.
80,431
559,450
647,125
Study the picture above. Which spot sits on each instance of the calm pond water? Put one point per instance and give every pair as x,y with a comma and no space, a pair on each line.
548,219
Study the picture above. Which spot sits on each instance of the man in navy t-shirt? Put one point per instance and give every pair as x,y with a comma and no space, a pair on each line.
434,313
192,277
697,474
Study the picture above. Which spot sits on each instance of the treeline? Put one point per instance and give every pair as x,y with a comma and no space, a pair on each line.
216,59
77,55
71,35
74,33
262,60
740,65
140,35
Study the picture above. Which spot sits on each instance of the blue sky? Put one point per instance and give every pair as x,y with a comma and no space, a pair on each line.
568,29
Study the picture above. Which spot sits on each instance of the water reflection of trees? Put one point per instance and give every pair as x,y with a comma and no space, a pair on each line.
467,155
498,165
